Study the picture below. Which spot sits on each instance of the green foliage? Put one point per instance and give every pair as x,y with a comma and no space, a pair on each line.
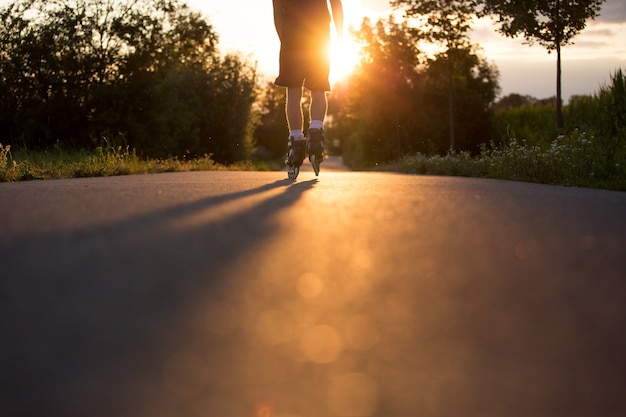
551,23
564,162
570,160
374,113
108,159
604,115
398,100
271,135
9,170
460,164
444,22
533,123
382,94
146,69
460,89
447,24
592,152
513,101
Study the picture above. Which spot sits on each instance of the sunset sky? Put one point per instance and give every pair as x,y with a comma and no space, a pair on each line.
246,26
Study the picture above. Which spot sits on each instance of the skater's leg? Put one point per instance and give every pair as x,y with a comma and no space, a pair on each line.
315,145
295,122
293,109
318,109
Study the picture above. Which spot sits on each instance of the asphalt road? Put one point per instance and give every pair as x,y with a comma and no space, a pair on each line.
238,294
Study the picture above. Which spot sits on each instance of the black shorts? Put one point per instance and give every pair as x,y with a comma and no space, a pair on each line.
305,58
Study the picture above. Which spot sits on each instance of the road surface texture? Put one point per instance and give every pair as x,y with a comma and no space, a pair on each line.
243,294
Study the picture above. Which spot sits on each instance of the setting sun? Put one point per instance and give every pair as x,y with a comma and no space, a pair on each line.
344,53
344,58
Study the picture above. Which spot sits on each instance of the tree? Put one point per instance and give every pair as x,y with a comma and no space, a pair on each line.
270,135
376,115
446,23
514,101
473,91
145,72
397,101
551,23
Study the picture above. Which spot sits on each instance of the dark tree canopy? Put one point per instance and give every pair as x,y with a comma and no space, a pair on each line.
143,72
397,101
551,23
445,22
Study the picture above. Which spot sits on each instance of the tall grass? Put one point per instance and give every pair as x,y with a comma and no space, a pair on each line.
106,160
570,160
9,170
534,123
590,152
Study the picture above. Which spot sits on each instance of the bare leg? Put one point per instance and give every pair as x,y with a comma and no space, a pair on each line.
295,119
295,122
319,105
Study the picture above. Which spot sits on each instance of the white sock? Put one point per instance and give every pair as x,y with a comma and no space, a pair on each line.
296,134
317,124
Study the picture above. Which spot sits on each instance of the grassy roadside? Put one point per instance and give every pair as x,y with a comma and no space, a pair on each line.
571,160
104,161
575,159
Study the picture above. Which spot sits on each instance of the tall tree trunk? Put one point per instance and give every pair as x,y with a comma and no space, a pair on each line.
559,99
559,35
451,101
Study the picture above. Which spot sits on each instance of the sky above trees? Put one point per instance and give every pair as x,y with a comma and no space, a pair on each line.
247,27
598,51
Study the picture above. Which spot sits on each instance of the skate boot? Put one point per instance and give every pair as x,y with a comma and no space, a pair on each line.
295,157
315,148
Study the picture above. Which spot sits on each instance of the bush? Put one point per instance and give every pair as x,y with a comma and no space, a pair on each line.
604,115
572,159
533,123
147,70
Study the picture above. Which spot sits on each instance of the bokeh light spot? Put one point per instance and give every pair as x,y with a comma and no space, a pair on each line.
310,285
321,344
263,410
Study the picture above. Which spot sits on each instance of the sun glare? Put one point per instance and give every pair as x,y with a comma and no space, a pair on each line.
344,58
344,55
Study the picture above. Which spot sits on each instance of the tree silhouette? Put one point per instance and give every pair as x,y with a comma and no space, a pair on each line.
551,23
144,73
397,101
446,23
379,104
270,135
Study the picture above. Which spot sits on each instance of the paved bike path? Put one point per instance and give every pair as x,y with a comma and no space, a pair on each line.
350,294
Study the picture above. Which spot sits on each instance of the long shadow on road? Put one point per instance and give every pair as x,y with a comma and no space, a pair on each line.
476,300
88,317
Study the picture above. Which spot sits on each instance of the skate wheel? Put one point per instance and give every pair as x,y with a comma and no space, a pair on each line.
292,172
316,164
